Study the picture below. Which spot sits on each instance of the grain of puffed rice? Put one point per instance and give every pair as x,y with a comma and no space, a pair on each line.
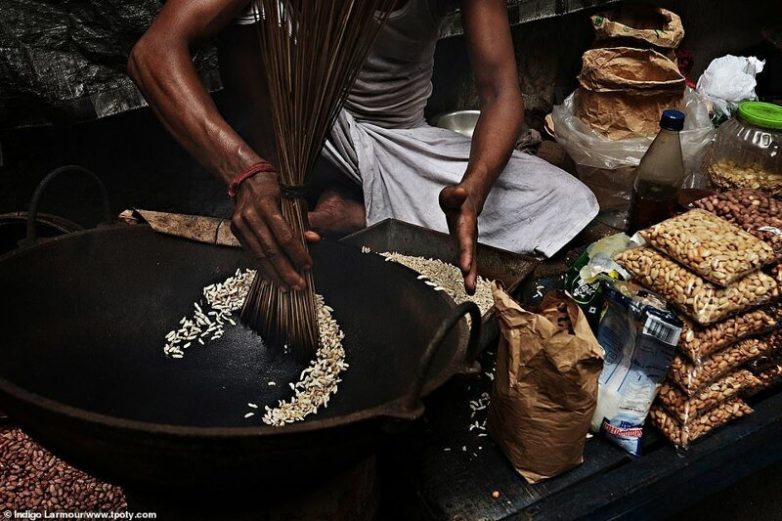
754,211
32,478
684,408
448,278
710,246
683,435
320,380
224,298
701,300
317,382
691,377
699,342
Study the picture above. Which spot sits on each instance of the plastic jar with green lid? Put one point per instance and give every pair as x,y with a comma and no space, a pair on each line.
747,151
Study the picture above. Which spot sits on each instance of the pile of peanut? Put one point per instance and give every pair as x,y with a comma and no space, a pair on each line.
730,176
685,408
710,246
698,343
691,378
705,302
752,210
33,480
682,435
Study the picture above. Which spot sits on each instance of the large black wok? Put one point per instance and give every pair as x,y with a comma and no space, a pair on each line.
82,368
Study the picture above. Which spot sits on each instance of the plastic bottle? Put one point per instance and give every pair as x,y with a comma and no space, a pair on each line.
659,176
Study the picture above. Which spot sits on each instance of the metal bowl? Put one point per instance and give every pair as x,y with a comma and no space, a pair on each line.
461,121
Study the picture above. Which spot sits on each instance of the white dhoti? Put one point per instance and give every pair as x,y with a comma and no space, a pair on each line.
533,206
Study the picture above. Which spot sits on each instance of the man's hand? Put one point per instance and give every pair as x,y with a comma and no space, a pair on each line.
259,225
461,212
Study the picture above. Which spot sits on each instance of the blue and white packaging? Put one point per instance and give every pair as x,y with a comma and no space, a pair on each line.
639,335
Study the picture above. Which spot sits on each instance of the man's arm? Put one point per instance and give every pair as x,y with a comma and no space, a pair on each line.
162,67
502,113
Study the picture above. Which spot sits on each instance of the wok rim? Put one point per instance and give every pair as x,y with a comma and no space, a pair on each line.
389,409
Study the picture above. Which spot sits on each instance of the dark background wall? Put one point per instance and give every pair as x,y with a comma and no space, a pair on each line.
143,167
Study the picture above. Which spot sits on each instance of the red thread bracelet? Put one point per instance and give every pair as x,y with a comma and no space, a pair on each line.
247,173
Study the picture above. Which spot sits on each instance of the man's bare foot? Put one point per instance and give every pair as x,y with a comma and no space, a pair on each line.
337,214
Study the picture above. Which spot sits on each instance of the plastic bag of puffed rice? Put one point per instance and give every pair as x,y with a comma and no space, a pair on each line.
710,246
686,408
682,435
639,336
699,299
699,342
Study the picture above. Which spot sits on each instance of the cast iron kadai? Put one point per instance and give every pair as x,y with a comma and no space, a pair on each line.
19,229
510,269
82,368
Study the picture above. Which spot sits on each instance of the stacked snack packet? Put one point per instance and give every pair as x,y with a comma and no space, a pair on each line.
760,214
709,270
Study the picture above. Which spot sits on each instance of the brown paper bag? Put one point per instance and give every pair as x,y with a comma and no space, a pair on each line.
545,388
640,24
624,91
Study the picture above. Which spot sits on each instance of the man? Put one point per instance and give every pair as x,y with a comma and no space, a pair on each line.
380,141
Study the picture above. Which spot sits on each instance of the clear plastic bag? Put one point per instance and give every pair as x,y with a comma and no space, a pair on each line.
683,435
700,342
607,166
693,377
702,301
686,408
710,246
768,371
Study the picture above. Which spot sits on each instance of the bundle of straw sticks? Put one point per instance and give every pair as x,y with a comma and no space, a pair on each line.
312,51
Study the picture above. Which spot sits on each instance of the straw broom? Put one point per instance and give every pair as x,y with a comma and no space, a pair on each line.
312,51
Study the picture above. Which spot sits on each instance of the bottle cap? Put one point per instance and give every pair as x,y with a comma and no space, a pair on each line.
672,120
764,115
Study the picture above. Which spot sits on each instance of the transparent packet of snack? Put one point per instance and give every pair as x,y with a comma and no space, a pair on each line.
700,300
693,377
686,408
699,342
710,246
682,436
768,371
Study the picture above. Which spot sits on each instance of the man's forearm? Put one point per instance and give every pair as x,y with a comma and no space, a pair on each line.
493,142
164,72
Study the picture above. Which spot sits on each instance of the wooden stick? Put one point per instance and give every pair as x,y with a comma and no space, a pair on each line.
312,51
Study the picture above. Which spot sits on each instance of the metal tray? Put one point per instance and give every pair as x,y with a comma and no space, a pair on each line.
408,239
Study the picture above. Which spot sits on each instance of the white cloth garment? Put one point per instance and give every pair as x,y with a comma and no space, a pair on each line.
381,141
